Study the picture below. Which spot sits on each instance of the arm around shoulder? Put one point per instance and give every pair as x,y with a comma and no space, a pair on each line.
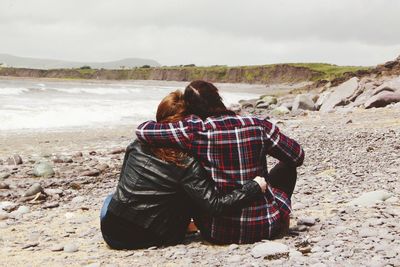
202,190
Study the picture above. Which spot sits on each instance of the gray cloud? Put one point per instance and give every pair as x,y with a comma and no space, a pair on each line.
203,32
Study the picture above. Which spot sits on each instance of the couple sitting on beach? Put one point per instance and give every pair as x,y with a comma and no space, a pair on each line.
201,161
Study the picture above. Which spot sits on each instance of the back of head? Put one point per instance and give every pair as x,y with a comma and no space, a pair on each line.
171,109
202,99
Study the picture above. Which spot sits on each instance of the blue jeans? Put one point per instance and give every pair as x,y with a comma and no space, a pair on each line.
103,213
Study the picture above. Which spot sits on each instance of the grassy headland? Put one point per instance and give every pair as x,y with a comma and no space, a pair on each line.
262,74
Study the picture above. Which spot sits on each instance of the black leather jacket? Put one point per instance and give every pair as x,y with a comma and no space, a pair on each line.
157,195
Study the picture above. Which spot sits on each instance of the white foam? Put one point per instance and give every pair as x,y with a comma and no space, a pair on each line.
13,91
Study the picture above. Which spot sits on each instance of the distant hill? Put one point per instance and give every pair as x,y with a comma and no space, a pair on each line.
39,63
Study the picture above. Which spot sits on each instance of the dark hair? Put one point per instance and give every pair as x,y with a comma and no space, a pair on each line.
202,99
171,109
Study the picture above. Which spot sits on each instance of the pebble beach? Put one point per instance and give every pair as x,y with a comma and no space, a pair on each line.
345,206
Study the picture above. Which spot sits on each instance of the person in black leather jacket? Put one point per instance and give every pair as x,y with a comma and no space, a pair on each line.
158,190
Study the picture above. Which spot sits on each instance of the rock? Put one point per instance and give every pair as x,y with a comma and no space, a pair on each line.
309,221
234,259
30,245
117,151
14,160
321,99
57,247
33,190
303,102
235,108
262,105
102,167
370,198
382,99
267,99
4,175
4,216
51,205
282,110
43,169
4,186
78,199
270,250
71,247
340,94
93,172
233,247
367,233
4,205
77,155
23,210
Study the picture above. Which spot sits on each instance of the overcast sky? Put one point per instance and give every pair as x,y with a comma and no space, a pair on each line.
204,32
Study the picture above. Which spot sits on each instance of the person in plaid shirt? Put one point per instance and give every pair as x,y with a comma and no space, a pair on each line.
233,149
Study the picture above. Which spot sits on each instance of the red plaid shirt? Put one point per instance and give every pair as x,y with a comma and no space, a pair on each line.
233,149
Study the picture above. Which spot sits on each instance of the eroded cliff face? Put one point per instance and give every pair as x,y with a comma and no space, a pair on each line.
255,74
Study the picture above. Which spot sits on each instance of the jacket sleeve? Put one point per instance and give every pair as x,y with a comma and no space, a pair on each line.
165,134
202,190
282,147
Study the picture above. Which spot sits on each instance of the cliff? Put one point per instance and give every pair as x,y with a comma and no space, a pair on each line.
266,74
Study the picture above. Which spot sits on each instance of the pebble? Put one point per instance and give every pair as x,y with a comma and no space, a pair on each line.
78,199
4,175
14,160
43,169
33,190
23,209
57,247
71,247
371,198
269,250
93,172
4,186
309,221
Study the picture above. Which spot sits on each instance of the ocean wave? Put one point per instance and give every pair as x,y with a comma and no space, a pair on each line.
13,91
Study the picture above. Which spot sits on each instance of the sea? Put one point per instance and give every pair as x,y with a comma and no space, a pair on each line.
38,105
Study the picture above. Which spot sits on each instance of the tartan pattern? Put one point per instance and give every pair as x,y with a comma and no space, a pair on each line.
233,149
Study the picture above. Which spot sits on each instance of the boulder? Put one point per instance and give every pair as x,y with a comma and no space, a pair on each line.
43,169
382,99
371,198
321,99
303,102
269,99
266,101
340,94
270,250
282,110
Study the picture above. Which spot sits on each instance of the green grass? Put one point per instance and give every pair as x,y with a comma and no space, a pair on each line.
329,71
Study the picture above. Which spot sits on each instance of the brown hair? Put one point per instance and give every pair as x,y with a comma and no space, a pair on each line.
202,99
171,109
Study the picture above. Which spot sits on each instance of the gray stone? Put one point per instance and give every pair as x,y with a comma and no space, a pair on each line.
93,172
321,99
33,190
382,99
57,247
78,199
23,209
270,250
14,160
309,221
71,247
340,94
4,175
303,102
371,198
43,169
